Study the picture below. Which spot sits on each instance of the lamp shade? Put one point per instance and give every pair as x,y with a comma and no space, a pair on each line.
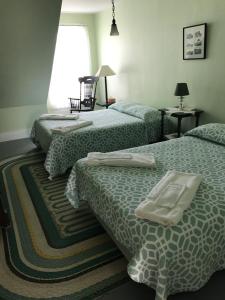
181,89
114,29
104,71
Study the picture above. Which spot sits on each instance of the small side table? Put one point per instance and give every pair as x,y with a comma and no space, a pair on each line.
179,115
109,102
103,105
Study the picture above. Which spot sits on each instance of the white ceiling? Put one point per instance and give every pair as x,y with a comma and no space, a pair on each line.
85,6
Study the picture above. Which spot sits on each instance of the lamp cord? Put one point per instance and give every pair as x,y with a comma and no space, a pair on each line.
113,9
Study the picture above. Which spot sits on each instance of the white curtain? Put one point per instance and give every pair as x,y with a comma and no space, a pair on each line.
71,60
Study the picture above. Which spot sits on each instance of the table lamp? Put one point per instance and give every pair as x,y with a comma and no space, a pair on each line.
105,71
181,91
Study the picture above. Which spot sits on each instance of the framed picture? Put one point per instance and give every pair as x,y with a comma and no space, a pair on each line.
194,42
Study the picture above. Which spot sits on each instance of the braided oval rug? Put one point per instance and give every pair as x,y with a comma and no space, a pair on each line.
51,250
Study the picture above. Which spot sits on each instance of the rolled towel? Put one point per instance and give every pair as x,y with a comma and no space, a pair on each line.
167,201
121,159
67,129
59,117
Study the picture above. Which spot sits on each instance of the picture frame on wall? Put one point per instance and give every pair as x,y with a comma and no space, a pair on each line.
194,42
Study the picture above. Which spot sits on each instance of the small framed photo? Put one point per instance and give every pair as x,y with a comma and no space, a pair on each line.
194,42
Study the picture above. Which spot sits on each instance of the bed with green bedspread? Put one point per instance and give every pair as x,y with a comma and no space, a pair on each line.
168,259
112,130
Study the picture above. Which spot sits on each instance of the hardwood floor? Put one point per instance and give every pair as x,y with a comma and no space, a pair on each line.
16,147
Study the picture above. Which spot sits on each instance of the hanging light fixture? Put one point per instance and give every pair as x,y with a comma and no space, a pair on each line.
114,30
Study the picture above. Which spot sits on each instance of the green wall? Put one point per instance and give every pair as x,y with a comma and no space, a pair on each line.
28,30
19,118
28,34
147,56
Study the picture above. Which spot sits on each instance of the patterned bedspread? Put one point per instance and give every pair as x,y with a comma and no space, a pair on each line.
168,259
111,130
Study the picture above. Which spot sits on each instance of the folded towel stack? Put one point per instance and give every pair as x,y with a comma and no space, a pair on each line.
169,198
59,117
66,129
121,159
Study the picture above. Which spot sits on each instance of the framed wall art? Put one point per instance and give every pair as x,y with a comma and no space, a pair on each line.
194,42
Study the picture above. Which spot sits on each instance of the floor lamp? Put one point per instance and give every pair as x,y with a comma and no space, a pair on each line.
105,71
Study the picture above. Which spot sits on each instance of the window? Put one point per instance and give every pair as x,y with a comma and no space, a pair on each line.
71,60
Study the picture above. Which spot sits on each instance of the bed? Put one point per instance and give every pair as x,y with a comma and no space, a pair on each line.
122,126
168,259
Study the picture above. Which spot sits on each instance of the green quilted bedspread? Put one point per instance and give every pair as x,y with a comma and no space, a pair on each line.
168,259
111,130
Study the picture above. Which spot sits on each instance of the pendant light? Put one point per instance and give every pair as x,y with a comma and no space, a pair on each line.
114,30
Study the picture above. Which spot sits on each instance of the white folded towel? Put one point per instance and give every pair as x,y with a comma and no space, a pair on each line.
65,129
167,201
59,117
121,159
109,155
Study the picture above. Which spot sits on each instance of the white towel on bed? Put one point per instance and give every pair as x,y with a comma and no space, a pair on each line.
59,117
65,129
167,201
121,159
109,155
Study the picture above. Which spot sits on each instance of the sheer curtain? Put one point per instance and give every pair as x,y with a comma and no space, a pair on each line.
71,60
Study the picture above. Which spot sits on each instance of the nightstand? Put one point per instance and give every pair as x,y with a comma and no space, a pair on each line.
179,115
109,102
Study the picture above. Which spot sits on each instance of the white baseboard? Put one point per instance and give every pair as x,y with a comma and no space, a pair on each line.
15,135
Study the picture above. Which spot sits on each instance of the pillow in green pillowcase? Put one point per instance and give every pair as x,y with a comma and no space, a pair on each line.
143,112
214,132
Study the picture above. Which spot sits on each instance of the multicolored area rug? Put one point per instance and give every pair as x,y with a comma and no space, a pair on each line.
51,251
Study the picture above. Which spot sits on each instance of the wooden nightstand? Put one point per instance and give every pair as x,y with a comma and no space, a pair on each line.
109,102
173,112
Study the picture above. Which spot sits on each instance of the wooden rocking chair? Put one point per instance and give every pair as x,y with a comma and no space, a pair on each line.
86,102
